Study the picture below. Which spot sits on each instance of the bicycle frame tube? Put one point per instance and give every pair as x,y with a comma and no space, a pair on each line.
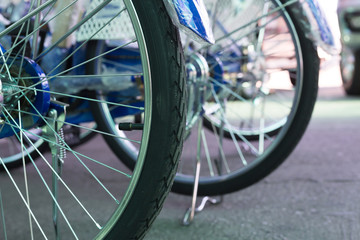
191,16
314,23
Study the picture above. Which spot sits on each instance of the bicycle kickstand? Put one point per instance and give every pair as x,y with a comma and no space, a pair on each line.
190,212
52,131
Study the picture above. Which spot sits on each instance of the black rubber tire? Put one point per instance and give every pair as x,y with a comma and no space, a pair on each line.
352,85
167,122
208,124
291,135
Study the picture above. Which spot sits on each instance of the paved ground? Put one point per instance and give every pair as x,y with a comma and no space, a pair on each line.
314,195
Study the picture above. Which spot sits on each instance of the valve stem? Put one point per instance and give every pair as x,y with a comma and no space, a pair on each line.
131,126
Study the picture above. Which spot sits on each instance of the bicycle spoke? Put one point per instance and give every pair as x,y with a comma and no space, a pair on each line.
207,154
236,95
283,6
25,174
73,151
76,156
3,216
230,129
85,128
266,55
120,65
25,39
90,76
56,174
43,6
254,30
36,34
82,98
92,59
81,45
42,178
222,155
22,197
74,28
6,66
23,50
74,67
17,54
26,17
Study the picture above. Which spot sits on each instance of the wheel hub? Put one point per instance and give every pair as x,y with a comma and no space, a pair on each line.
197,78
197,68
24,94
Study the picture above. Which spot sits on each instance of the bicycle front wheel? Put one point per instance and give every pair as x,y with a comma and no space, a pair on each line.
86,193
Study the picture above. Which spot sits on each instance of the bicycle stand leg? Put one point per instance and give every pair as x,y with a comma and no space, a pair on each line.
53,132
190,212
187,220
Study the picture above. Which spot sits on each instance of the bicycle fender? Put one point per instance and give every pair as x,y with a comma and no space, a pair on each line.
191,17
314,24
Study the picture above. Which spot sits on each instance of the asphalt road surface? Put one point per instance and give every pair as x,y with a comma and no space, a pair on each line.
314,195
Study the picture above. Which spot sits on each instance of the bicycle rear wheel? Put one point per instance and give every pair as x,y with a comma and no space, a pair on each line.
87,193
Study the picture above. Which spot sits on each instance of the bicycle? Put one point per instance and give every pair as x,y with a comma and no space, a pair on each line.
46,42
348,12
251,94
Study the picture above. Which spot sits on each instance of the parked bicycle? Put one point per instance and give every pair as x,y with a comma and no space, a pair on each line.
349,15
54,79
251,94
